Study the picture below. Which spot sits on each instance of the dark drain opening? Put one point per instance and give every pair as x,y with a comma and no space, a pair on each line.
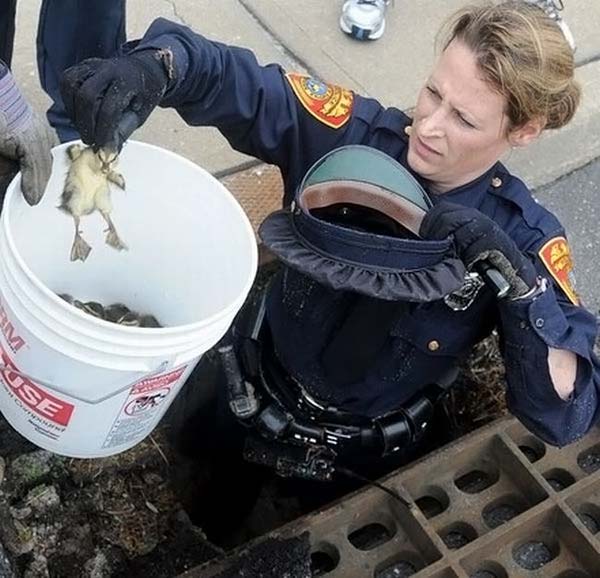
501,511
213,477
559,479
590,523
433,503
533,449
535,554
489,570
458,535
430,506
589,514
589,460
370,536
475,481
322,562
400,569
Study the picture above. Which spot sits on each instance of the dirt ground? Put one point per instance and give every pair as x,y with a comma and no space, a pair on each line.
118,516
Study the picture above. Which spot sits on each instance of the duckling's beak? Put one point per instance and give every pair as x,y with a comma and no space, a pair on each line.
106,157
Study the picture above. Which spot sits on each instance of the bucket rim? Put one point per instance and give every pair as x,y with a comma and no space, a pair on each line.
123,329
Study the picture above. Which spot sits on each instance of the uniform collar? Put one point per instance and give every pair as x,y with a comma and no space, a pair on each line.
470,194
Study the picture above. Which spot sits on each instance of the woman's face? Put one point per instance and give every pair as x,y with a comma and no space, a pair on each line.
460,127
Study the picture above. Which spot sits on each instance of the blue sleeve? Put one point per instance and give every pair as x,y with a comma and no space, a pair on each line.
529,328
3,69
253,106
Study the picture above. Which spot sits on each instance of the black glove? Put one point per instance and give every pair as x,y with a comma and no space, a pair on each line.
477,238
108,99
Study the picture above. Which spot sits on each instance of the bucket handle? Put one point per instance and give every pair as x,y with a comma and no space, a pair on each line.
60,390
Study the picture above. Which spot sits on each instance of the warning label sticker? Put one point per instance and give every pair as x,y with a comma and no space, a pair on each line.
141,407
48,414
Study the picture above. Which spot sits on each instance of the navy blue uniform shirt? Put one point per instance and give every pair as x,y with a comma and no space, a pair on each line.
262,113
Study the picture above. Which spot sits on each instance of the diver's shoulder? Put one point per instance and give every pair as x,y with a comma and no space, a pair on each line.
528,213
381,117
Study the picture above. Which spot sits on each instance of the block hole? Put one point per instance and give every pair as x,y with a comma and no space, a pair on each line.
458,535
559,479
402,565
489,569
589,460
475,481
372,535
502,510
433,502
533,449
534,554
324,559
589,514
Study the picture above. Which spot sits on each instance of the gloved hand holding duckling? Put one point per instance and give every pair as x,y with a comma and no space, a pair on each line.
87,189
137,82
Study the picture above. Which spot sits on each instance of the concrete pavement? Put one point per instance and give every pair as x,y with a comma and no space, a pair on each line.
230,24
304,36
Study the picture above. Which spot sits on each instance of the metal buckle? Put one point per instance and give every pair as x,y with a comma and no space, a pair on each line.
466,295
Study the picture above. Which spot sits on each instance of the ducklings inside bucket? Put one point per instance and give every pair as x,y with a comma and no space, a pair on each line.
114,313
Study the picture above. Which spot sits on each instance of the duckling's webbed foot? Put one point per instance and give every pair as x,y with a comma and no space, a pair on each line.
112,238
80,249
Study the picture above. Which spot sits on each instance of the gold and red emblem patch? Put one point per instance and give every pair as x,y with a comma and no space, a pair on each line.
556,255
328,103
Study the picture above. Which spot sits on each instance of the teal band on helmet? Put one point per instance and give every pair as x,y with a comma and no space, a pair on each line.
367,165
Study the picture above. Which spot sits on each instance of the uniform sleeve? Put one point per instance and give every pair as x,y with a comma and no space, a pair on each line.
255,107
529,327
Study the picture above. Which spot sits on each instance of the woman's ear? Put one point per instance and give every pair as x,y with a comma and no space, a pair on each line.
527,133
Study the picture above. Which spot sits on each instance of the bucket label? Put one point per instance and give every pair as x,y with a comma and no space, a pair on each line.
14,341
48,414
141,407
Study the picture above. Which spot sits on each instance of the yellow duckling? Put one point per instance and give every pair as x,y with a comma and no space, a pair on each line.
87,190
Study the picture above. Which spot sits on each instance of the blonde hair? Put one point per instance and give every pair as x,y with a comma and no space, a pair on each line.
524,56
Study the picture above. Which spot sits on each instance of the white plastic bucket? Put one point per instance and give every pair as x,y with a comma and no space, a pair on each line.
83,387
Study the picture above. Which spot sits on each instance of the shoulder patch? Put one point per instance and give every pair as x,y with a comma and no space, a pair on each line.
328,103
556,256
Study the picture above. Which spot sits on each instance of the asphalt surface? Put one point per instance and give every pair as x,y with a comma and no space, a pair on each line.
575,200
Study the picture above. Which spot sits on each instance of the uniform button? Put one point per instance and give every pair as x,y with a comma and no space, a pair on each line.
433,345
539,323
407,130
496,182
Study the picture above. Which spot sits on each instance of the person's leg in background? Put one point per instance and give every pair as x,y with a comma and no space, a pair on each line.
7,30
70,31
364,19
